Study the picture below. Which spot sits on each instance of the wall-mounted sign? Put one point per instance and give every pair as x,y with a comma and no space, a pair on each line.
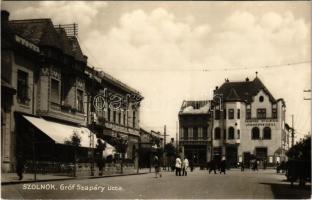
260,124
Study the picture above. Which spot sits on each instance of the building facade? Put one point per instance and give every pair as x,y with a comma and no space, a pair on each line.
48,96
195,131
248,123
244,121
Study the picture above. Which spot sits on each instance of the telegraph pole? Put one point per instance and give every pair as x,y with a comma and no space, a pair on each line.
292,131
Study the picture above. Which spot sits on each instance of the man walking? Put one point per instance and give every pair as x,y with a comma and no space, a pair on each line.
212,166
185,165
222,165
157,166
178,166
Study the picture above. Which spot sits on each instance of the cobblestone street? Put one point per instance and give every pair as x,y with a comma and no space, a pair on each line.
198,184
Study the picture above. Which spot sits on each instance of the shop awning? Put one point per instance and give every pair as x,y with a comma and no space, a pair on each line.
61,132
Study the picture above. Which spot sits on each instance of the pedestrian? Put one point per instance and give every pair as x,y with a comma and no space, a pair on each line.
20,166
157,166
242,166
277,167
178,166
185,165
192,165
212,166
222,165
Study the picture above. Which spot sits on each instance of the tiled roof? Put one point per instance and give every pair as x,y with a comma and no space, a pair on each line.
43,33
242,91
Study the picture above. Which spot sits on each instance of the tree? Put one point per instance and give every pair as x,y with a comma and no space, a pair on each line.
170,151
301,150
121,146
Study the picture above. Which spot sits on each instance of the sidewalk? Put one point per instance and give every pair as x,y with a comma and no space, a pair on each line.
12,178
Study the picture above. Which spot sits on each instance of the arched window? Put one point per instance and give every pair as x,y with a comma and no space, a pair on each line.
255,133
231,133
267,133
217,133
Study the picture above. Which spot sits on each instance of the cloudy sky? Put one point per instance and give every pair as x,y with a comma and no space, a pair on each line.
171,51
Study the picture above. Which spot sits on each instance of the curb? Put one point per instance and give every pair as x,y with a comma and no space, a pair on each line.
70,178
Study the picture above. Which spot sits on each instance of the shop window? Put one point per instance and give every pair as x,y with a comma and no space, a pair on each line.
22,87
261,113
55,91
231,133
217,133
267,133
255,133
80,101
231,113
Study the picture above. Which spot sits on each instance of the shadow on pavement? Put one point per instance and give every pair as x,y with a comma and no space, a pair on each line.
286,191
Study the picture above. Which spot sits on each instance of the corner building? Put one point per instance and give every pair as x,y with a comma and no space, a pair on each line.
248,123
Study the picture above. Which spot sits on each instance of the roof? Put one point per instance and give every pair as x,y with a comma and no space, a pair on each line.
242,91
109,78
43,33
195,107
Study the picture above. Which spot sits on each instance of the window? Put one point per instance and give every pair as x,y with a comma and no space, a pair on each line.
238,113
108,114
205,132
119,117
124,118
133,122
231,133
217,115
217,133
114,116
185,133
255,133
195,133
267,133
261,113
224,113
80,101
238,134
231,113
261,99
274,111
22,87
55,91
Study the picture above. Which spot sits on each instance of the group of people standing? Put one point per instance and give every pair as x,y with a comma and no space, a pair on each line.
181,165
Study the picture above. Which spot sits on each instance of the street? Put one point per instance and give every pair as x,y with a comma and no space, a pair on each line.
198,184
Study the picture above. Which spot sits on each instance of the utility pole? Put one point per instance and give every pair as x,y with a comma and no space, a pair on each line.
165,135
292,131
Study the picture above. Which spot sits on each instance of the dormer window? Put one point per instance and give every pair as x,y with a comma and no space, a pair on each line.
261,98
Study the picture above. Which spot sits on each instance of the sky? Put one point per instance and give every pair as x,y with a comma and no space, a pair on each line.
175,51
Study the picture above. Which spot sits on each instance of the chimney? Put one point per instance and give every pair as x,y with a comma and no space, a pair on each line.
4,16
247,79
